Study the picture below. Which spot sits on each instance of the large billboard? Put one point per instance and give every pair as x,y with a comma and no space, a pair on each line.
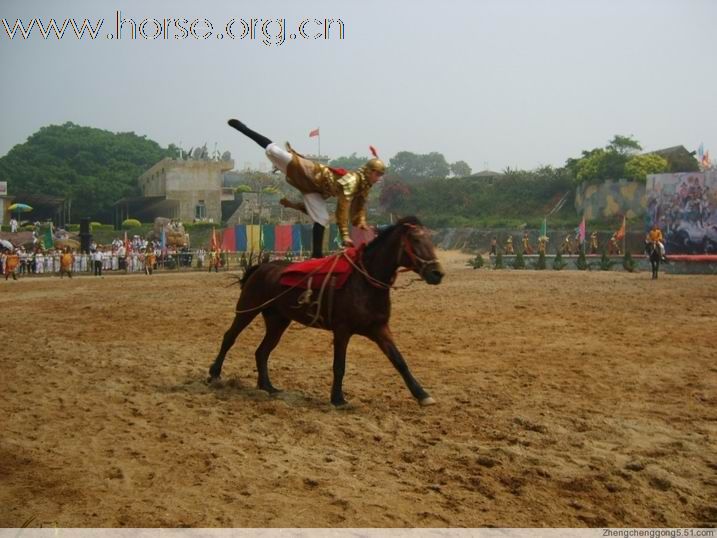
685,207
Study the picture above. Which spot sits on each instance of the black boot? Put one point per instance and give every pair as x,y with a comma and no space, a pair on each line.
317,241
256,137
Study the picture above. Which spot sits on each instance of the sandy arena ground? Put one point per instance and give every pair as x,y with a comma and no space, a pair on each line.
564,399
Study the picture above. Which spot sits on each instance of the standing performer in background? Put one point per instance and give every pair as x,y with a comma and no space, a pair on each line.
527,248
509,245
594,243
316,182
67,260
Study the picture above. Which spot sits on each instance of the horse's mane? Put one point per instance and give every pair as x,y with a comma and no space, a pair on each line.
250,270
383,234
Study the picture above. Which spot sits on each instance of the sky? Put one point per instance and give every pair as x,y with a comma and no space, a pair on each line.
495,83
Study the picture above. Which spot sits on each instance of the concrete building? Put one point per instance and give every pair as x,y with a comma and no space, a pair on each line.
185,190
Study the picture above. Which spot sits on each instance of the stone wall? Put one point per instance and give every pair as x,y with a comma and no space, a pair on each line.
611,199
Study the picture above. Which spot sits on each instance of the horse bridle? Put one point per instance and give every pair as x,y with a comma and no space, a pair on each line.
415,259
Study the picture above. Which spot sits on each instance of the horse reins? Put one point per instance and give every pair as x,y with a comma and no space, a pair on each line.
413,256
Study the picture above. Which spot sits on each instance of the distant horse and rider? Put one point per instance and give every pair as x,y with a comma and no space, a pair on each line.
654,254
655,249
362,305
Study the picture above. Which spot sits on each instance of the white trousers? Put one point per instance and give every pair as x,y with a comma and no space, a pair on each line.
314,202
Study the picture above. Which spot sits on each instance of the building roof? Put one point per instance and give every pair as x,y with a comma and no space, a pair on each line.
671,151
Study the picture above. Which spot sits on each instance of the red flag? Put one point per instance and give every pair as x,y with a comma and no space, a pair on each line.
215,243
313,133
127,244
621,232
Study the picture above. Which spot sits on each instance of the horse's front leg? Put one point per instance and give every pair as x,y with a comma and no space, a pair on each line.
384,339
341,342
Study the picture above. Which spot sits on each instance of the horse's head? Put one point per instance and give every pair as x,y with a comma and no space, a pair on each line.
417,253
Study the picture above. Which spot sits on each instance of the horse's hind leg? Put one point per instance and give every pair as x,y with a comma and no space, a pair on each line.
238,325
276,324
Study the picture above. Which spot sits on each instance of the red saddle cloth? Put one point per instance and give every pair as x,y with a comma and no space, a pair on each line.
297,274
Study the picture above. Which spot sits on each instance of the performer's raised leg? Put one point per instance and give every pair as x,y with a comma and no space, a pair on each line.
256,137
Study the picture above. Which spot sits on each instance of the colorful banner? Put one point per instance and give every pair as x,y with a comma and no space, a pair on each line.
684,206
268,237
306,236
253,237
285,237
240,242
296,238
282,238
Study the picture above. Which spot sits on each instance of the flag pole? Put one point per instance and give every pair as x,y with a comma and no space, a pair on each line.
319,137
624,235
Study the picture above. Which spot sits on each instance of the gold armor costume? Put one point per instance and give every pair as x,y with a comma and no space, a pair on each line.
351,190
509,245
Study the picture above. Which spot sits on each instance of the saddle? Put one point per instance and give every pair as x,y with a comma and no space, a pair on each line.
311,274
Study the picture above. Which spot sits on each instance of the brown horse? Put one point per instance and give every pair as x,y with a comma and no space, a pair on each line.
362,306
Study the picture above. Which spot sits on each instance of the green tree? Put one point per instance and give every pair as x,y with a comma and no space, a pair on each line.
352,162
92,167
409,165
624,145
600,164
604,163
460,169
639,166
394,195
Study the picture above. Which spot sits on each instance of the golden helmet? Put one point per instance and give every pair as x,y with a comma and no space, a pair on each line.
376,165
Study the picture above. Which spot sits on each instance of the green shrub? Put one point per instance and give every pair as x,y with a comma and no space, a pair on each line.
605,262
628,263
477,262
519,261
498,260
558,262
128,224
581,263
540,264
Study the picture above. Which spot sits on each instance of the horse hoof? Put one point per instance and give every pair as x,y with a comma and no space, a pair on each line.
427,401
212,380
